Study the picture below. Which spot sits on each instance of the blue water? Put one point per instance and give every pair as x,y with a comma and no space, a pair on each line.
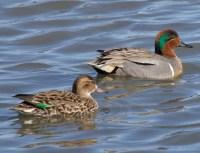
46,44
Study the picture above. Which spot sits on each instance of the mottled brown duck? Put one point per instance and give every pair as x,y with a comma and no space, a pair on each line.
54,102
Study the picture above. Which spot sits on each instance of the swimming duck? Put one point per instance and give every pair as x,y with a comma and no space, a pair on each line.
55,102
140,63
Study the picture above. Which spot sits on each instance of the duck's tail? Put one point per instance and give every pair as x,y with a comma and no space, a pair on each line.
25,97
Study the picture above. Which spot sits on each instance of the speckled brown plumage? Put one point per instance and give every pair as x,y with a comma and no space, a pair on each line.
54,102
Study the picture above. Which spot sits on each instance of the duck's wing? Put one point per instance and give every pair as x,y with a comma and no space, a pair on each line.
110,60
49,100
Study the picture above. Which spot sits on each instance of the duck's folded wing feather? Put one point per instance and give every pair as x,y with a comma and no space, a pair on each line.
110,59
50,98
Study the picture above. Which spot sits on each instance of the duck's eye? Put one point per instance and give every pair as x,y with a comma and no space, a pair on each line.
87,85
173,36
91,82
168,39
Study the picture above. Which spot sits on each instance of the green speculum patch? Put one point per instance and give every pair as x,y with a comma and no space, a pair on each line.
42,105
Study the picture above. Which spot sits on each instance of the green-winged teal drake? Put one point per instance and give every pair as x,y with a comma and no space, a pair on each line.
140,63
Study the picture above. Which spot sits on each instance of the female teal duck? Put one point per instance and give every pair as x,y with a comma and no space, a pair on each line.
54,102
139,63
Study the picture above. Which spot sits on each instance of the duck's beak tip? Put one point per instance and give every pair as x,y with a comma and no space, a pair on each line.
182,44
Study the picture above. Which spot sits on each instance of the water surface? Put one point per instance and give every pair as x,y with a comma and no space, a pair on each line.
45,44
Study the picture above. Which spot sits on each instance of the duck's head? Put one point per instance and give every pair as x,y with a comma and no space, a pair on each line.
166,41
84,85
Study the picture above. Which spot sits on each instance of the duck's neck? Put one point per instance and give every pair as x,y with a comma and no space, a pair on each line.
168,52
83,94
165,51
86,95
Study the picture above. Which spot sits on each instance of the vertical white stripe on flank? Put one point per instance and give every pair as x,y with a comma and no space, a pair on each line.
171,68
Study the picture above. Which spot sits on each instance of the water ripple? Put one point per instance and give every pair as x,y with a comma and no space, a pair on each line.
45,44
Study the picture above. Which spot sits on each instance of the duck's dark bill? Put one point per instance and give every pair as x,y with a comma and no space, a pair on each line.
182,44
